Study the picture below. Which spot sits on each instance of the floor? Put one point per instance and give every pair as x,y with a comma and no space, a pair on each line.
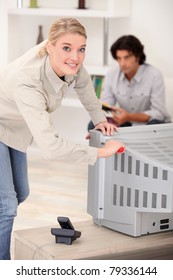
56,189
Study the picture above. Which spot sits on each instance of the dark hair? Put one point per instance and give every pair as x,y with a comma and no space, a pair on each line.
131,44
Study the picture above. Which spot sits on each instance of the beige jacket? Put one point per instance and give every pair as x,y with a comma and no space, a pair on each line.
29,92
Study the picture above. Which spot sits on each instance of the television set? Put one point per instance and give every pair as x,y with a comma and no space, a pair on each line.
132,192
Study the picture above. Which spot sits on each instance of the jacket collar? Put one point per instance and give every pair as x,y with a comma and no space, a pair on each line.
51,81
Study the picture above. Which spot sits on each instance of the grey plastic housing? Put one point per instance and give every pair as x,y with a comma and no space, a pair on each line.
132,192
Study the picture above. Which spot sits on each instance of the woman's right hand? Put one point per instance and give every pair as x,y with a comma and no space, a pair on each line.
110,148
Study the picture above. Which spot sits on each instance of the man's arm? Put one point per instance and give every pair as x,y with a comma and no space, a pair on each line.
121,116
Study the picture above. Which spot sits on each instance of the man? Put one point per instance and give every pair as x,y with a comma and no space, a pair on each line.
135,86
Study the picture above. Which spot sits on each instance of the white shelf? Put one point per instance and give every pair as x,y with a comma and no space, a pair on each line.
97,70
103,9
68,12
107,9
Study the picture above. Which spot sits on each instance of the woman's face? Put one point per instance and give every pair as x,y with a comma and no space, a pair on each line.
68,54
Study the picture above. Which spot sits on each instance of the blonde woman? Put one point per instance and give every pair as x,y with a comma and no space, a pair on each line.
31,88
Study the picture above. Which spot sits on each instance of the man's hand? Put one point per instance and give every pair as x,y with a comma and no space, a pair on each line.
120,116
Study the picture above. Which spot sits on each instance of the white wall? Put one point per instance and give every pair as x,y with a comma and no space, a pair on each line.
152,22
3,32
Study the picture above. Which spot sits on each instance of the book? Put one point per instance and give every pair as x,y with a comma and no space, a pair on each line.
108,113
107,110
97,82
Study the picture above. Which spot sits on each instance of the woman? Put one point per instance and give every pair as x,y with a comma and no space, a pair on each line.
31,88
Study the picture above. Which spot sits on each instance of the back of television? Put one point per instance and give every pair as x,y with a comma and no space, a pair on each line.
133,192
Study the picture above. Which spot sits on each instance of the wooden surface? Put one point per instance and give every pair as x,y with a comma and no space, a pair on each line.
95,243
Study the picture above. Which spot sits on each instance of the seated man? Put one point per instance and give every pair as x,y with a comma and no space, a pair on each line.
137,87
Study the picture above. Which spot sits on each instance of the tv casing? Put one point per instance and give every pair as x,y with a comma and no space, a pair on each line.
132,192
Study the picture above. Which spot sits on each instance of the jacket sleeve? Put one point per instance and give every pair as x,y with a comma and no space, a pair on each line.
32,106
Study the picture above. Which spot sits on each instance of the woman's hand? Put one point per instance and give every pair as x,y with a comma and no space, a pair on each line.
111,147
106,128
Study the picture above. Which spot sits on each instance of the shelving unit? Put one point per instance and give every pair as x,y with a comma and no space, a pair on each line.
64,12
107,9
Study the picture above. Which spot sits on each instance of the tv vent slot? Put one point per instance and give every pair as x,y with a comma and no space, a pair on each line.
154,200
155,172
165,175
137,167
129,164
164,221
136,198
128,196
145,199
121,195
164,201
145,169
122,162
115,194
164,227
116,162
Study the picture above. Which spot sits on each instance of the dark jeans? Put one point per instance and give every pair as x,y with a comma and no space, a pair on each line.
154,121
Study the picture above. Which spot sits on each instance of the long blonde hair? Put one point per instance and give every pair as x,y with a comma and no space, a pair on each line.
60,27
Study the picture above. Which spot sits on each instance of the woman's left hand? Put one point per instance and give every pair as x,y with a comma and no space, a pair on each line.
106,128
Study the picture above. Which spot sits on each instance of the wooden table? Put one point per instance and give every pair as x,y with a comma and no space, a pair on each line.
95,243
